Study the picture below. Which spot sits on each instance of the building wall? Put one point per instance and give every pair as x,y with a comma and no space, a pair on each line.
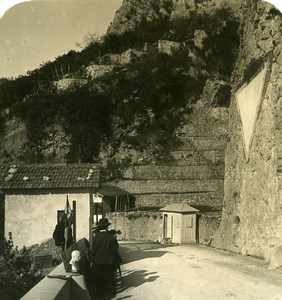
252,208
32,218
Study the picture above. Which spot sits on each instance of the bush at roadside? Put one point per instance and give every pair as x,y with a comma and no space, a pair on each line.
17,274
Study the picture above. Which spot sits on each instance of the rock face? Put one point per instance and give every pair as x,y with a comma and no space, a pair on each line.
95,71
181,7
68,84
253,189
195,173
132,13
14,137
167,46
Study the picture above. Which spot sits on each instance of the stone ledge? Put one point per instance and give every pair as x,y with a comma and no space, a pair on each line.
67,287
50,288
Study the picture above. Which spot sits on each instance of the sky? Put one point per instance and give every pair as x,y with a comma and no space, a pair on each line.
35,31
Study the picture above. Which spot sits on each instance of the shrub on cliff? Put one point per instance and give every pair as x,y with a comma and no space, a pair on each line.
138,105
220,47
83,114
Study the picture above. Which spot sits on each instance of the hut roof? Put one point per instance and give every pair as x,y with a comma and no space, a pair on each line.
107,190
179,207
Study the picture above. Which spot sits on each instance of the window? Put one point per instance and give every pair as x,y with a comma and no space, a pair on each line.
97,208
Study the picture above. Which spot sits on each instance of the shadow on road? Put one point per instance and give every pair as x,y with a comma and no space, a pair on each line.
137,251
135,278
129,280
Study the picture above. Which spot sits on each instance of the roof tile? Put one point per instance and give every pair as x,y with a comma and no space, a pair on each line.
61,176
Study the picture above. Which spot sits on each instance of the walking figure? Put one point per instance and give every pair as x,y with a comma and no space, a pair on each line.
104,251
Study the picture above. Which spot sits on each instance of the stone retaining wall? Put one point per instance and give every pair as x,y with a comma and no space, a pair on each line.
161,172
208,224
170,186
138,226
148,226
47,247
204,201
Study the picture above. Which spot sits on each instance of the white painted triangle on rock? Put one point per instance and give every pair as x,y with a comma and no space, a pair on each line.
248,103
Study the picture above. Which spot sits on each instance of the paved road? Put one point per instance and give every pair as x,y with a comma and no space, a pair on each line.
154,271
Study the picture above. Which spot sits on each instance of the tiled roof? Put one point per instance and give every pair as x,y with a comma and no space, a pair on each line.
107,190
42,176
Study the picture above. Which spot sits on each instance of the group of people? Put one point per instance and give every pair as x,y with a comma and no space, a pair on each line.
105,258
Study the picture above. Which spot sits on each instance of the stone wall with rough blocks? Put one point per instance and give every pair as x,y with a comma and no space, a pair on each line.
47,247
138,226
208,224
252,209
148,226
204,201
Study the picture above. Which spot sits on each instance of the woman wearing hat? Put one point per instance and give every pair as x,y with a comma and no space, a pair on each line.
104,250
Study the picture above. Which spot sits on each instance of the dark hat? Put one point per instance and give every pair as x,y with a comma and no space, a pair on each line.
103,222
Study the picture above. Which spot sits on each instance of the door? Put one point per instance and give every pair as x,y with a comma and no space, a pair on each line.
189,230
167,229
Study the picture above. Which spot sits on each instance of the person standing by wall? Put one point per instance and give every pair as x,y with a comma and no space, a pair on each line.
104,250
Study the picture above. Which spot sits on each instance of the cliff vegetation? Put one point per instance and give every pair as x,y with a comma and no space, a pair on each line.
121,99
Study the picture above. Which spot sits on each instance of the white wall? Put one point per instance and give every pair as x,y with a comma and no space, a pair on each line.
32,218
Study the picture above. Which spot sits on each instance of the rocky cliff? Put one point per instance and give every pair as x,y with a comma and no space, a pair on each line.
149,101
252,201
132,13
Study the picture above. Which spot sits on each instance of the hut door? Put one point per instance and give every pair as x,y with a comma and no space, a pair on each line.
188,229
168,225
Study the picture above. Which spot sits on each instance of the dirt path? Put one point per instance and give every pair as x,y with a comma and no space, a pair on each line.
153,271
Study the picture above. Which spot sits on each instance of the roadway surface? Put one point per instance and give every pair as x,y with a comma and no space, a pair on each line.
196,272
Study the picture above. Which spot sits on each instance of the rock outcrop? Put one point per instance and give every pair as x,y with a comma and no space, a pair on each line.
132,13
192,169
195,173
253,187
